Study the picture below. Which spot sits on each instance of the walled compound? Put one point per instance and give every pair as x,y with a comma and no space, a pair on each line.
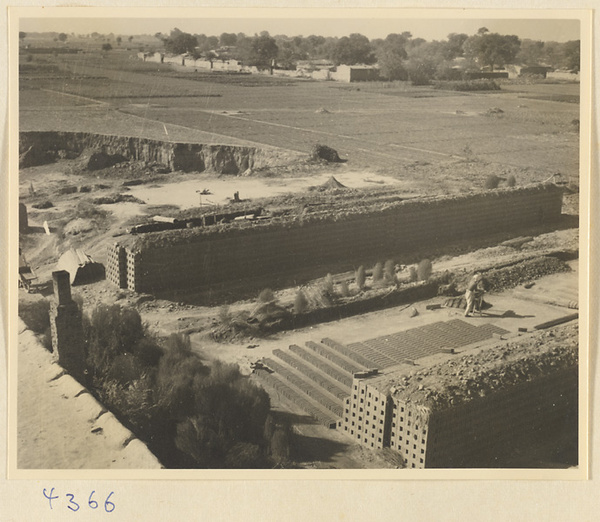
202,257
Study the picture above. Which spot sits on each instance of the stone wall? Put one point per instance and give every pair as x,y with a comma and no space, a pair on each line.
199,259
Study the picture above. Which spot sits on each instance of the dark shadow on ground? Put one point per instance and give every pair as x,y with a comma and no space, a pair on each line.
316,449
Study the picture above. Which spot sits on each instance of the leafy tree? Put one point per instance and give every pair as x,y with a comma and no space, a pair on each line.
353,49
492,49
531,52
119,40
106,47
454,45
22,35
262,50
228,39
391,55
62,37
130,39
179,42
571,55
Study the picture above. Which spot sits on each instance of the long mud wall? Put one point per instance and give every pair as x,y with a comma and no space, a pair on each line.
186,157
207,259
484,430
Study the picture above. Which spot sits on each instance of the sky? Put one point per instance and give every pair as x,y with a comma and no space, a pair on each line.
560,30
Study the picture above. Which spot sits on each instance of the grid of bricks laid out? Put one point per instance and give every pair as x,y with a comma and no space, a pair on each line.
322,380
326,367
304,385
275,384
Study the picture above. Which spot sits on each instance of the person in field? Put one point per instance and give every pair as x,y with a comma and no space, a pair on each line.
474,292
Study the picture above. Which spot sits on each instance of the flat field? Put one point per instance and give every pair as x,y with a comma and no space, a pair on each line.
379,127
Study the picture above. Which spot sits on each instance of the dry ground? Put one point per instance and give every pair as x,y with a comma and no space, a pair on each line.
417,140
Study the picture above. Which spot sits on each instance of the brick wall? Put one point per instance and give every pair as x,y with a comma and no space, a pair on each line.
484,431
209,259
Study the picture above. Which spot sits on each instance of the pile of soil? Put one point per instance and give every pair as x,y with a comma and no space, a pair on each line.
323,152
499,279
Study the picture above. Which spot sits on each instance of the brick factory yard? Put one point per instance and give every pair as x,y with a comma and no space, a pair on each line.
412,141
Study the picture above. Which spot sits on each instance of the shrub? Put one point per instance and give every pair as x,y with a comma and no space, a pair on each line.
344,290
389,272
377,272
360,277
468,85
125,369
35,314
300,302
492,182
424,270
328,285
266,296
511,181
412,272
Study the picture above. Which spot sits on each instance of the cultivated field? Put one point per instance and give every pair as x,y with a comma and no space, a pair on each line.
417,132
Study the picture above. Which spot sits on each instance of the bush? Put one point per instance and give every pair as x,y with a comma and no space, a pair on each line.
511,181
360,277
412,273
344,290
36,315
389,272
377,272
424,270
468,85
492,182
300,303
328,285
326,153
266,296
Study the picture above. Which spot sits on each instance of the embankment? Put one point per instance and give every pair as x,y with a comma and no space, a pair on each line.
40,147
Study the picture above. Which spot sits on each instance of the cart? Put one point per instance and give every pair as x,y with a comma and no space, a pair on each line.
27,276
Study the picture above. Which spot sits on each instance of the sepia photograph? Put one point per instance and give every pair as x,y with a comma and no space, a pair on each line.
299,241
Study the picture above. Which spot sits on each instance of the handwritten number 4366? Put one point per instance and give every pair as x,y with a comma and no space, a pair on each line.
109,507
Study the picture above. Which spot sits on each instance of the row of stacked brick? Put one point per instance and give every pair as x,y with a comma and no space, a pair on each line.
342,377
304,385
194,259
276,385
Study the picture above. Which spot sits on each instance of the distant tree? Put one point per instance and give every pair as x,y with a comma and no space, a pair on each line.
119,40
262,50
531,52
454,45
107,47
62,37
179,42
571,55
391,54
22,35
492,49
353,49
227,39
130,39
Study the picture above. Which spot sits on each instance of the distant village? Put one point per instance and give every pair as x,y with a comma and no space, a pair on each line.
323,69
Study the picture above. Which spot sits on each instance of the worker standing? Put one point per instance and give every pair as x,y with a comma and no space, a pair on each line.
474,291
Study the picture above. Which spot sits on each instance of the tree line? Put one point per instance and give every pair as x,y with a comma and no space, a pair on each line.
399,56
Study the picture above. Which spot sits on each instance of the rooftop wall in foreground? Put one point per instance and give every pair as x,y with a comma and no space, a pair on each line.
199,258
